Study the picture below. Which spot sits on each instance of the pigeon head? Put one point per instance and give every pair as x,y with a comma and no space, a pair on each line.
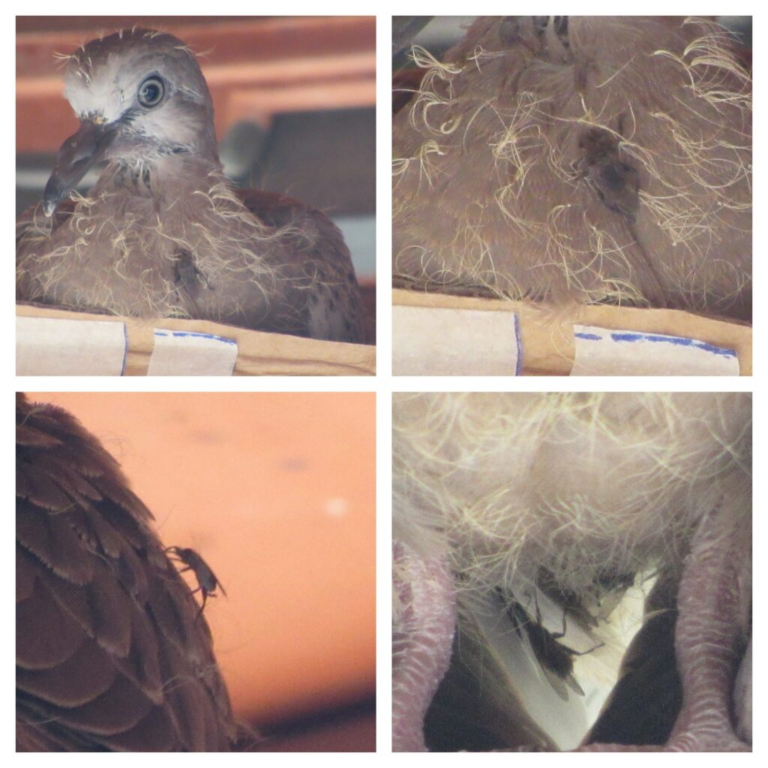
140,96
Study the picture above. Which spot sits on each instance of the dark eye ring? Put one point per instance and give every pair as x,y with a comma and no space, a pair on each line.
151,91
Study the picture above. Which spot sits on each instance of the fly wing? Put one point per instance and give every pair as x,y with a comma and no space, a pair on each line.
506,698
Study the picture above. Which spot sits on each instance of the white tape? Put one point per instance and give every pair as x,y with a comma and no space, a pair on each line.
182,353
605,352
433,341
47,346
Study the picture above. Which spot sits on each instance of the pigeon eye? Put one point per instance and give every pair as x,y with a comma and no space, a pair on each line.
151,92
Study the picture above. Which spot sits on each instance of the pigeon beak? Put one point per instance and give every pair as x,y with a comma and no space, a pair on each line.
77,155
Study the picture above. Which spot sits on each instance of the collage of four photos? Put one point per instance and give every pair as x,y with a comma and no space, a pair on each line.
407,529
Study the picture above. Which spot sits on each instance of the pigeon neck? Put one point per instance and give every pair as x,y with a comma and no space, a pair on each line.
185,170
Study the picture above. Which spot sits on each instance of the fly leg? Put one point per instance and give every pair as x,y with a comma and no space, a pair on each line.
206,595
571,651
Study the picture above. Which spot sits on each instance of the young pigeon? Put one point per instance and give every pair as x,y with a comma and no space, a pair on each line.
163,233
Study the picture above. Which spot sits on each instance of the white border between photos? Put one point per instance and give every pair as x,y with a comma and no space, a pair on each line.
384,384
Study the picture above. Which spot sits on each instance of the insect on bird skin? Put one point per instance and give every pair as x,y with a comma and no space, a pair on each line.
555,657
579,495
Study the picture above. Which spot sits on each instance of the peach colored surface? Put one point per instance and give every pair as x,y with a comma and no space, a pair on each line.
277,493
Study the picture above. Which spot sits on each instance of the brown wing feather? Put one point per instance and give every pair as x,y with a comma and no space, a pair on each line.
111,655
318,258
316,244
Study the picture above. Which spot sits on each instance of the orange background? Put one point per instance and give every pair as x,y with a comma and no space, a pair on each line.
277,493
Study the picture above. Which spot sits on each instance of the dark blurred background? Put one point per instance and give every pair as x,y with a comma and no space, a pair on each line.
437,34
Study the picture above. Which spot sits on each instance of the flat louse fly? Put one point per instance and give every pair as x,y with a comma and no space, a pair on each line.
555,657
207,583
